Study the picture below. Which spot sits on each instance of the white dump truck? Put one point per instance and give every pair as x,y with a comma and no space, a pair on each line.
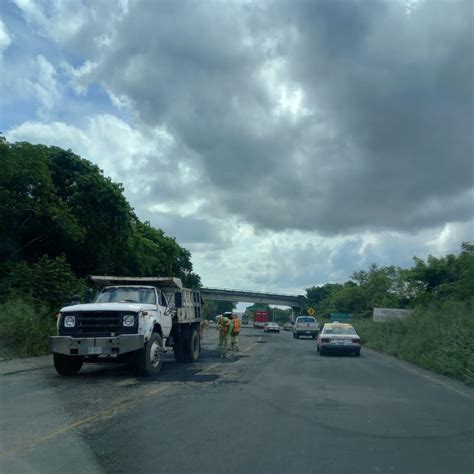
138,319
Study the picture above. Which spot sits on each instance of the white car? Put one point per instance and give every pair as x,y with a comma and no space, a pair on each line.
271,327
287,327
305,326
338,337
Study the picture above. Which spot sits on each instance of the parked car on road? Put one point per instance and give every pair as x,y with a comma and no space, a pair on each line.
305,326
271,327
338,337
288,327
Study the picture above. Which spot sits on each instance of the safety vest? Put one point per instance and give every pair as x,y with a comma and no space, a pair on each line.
224,326
236,329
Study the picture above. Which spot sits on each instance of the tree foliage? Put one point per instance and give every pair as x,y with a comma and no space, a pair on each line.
427,283
61,219
213,308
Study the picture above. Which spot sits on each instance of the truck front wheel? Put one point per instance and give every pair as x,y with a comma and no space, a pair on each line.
191,346
67,365
150,358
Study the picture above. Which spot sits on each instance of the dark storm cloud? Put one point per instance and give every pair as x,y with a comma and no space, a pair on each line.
385,140
399,89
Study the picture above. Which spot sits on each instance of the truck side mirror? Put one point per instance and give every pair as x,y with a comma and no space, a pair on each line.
89,295
178,299
75,299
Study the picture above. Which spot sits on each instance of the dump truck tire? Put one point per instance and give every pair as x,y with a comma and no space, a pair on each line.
150,358
67,365
191,346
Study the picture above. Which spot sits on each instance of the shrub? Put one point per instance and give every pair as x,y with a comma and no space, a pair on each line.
49,280
439,339
24,329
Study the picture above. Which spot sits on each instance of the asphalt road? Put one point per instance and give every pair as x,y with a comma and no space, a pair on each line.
277,407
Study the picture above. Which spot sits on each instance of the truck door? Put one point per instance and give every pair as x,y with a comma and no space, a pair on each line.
165,316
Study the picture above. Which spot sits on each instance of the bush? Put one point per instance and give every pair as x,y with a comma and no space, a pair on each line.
24,329
439,339
48,281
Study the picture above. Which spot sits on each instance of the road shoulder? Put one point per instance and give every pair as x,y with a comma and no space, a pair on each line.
24,364
434,377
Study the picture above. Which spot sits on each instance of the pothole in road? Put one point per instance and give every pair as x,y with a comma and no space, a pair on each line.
204,378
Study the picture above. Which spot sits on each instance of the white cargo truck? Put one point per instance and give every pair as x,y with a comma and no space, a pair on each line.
138,319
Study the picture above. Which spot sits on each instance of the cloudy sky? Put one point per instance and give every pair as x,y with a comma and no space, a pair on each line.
284,143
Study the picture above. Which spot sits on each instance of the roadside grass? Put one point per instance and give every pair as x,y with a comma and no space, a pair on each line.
24,329
438,339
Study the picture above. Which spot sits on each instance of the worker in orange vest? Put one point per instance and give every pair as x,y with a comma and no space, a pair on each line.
234,335
225,328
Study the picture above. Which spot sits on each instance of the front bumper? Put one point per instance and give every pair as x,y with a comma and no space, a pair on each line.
95,346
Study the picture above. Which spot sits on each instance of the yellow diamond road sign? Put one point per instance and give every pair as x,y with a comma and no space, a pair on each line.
311,311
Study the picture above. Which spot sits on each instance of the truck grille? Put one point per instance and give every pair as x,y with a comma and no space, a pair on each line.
98,324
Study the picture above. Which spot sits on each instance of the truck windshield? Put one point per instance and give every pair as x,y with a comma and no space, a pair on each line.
306,320
340,331
127,295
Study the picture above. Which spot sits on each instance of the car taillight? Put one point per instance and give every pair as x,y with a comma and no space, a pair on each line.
355,341
325,339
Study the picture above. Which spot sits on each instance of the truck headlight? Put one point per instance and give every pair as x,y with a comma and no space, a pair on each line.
128,320
69,321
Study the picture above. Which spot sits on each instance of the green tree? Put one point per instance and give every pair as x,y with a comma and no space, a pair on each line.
315,295
446,278
32,216
212,308
53,202
99,206
49,280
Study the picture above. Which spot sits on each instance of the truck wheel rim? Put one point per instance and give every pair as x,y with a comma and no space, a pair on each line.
155,354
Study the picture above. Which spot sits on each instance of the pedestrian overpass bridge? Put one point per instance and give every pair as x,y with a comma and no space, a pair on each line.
295,302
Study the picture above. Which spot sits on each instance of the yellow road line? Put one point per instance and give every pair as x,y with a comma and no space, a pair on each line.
213,366
113,410
253,345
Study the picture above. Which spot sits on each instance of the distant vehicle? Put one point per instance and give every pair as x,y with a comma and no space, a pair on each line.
245,319
338,337
260,318
271,327
288,327
305,326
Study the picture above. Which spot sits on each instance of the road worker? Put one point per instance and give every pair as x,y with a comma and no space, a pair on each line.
224,327
234,335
